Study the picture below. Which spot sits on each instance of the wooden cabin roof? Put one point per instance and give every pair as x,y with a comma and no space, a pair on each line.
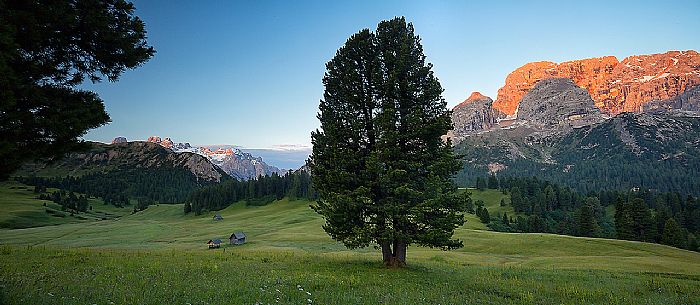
237,235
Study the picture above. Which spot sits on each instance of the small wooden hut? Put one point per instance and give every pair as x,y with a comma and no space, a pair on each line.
214,243
237,238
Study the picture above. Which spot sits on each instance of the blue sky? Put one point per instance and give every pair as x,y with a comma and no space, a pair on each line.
248,73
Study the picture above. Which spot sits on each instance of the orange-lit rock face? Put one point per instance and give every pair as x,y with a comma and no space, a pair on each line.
614,86
167,143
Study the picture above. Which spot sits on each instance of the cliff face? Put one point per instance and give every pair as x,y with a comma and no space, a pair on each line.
558,102
614,86
686,101
118,140
474,114
245,166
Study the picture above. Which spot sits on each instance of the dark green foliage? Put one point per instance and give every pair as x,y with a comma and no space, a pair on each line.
378,163
639,214
633,221
67,200
480,183
256,192
165,185
142,204
586,221
692,242
47,49
673,235
493,182
483,214
606,163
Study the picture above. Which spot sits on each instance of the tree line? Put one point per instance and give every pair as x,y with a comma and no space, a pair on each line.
67,200
260,191
643,215
118,187
150,186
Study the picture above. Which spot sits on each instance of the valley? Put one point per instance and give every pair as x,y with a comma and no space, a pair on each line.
160,255
281,152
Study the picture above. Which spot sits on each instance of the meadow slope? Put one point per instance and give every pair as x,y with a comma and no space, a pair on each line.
159,256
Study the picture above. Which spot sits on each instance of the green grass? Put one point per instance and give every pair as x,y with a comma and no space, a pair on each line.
159,256
492,201
21,209
244,276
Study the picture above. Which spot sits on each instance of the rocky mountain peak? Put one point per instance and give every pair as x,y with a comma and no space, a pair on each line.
118,140
473,115
475,96
557,102
615,86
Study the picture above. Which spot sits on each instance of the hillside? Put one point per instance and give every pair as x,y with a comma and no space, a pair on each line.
654,151
290,255
125,156
560,135
21,209
134,170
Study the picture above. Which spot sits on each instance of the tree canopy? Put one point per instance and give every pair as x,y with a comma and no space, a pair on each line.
379,165
47,48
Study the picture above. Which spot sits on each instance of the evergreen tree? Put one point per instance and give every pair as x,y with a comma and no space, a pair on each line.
484,216
643,223
493,182
48,48
586,221
381,169
673,235
517,200
692,242
623,221
480,183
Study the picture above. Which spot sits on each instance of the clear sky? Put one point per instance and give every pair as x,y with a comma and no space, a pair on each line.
248,73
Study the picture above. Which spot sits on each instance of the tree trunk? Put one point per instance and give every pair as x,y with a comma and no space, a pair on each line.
386,252
396,258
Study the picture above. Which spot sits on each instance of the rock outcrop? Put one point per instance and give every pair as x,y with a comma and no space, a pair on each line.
118,140
615,87
245,166
688,101
557,102
473,115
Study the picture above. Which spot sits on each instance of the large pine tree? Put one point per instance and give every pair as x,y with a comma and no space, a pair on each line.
379,164
47,50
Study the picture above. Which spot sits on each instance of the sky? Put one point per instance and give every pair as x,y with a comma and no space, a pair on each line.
248,73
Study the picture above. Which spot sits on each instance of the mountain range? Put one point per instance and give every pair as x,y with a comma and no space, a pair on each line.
591,124
236,163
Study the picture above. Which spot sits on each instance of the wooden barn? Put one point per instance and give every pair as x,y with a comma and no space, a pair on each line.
237,238
214,243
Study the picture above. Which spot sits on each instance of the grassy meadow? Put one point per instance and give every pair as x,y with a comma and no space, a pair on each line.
159,256
21,209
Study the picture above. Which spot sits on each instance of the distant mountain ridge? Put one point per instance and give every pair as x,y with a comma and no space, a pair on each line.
560,135
615,86
129,156
643,83
233,161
